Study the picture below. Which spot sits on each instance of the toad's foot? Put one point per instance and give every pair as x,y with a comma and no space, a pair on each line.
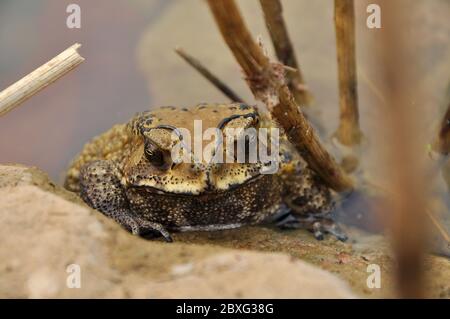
101,189
318,226
141,227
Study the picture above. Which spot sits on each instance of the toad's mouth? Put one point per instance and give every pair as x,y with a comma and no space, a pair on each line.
207,191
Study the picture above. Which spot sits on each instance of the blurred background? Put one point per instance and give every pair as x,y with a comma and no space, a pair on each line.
130,66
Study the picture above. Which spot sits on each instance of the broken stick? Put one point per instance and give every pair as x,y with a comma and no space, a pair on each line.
348,132
219,84
37,80
273,15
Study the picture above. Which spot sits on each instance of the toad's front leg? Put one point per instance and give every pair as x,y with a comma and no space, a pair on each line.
101,189
318,226
310,204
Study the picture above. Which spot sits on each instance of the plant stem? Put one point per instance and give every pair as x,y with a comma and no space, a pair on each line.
40,78
219,84
348,132
273,15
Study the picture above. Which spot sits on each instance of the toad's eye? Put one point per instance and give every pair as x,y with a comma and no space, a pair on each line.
154,155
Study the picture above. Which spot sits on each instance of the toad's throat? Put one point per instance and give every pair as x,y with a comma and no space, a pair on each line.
207,191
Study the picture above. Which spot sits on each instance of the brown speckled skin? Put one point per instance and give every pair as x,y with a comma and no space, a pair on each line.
113,175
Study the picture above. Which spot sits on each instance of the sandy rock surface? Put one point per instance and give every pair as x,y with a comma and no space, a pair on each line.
249,275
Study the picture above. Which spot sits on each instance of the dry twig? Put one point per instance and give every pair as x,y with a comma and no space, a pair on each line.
196,64
348,132
37,80
266,80
273,15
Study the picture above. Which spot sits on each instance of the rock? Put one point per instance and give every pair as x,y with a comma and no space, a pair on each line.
42,234
249,275
48,239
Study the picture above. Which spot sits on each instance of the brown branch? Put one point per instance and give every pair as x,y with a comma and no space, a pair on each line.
304,138
220,85
348,132
266,80
40,78
273,15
